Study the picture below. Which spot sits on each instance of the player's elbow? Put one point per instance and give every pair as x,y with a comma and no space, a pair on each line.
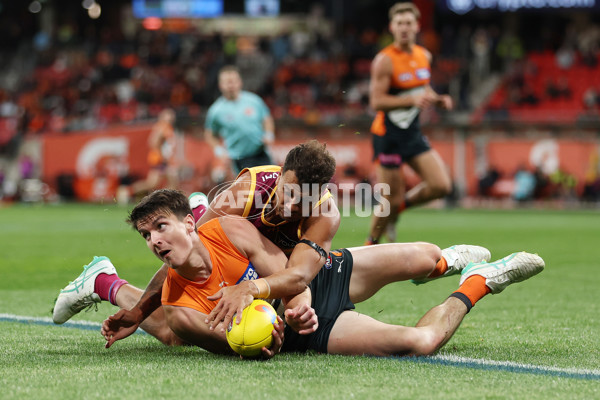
297,284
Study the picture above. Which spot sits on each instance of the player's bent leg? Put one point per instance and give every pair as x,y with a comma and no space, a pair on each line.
378,265
436,182
188,326
199,204
456,258
392,177
360,334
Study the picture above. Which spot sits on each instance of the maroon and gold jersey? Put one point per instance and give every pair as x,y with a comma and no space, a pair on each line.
284,234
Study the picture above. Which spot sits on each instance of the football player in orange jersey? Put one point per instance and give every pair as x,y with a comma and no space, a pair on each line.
307,240
229,251
399,90
161,144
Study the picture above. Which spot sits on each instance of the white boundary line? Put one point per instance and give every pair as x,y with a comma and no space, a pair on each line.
450,360
582,373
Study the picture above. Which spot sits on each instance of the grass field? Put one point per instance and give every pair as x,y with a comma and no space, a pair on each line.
545,330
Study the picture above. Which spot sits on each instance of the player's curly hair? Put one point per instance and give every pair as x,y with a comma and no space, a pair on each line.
168,201
311,162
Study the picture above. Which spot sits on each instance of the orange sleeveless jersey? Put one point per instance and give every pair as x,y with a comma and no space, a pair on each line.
409,70
155,156
229,267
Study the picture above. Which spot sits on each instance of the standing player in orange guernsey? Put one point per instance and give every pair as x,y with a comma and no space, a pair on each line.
161,144
399,90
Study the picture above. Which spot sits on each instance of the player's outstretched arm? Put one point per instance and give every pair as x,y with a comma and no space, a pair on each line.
125,322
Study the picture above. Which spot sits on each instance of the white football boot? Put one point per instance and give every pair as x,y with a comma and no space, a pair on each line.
79,294
513,268
458,257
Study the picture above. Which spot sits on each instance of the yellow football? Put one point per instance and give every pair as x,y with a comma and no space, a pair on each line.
254,330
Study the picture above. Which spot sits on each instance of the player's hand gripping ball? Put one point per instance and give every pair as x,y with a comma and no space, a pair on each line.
254,330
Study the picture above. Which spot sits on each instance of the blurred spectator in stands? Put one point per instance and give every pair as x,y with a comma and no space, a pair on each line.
1,181
591,98
591,186
528,95
564,184
591,189
542,184
524,184
509,49
480,61
487,181
556,89
565,56
589,44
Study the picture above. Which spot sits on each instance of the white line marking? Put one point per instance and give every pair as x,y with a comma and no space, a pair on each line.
452,360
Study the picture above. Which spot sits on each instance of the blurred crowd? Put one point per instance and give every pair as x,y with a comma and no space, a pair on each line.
78,79
81,78
527,184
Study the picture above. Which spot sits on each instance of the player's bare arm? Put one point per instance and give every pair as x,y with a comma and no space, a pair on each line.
381,77
125,322
303,265
266,258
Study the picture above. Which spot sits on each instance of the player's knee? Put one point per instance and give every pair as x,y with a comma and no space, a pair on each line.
425,345
440,189
424,256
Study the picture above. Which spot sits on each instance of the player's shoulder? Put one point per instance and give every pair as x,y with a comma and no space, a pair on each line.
218,104
383,60
238,229
246,95
418,49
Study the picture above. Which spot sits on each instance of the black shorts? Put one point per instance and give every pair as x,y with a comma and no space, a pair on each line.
258,159
330,297
397,146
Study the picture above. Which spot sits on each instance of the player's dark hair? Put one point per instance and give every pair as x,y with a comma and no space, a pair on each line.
166,201
311,162
403,7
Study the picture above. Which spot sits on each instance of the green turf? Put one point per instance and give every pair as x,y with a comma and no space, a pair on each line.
550,320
